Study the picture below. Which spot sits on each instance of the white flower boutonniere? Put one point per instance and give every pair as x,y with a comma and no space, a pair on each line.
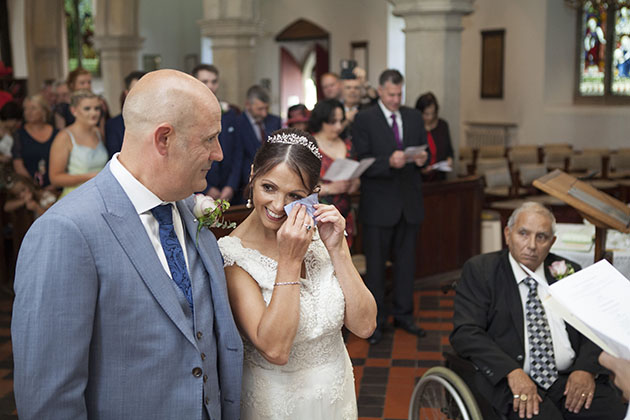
209,213
561,269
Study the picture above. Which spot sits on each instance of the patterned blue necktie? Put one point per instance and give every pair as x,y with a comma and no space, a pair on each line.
173,250
543,368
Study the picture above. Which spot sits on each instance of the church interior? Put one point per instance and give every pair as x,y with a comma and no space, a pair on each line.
527,88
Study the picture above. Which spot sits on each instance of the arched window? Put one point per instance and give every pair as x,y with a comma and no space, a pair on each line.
80,27
603,52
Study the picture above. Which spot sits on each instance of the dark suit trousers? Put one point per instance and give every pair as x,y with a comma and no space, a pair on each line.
399,242
606,403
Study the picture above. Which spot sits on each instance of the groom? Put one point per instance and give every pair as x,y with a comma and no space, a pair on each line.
119,312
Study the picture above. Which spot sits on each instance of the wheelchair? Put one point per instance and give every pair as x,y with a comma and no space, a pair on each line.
442,394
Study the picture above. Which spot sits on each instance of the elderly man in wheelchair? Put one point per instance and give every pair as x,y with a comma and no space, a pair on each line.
527,363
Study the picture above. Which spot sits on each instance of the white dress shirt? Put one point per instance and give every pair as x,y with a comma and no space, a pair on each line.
388,117
143,201
563,352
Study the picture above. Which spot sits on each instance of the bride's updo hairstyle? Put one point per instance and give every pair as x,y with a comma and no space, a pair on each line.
293,147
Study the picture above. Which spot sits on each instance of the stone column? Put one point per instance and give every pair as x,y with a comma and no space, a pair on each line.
47,52
233,27
433,53
117,39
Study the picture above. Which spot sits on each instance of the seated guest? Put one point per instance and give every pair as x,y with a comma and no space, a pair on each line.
253,127
530,363
31,143
330,86
438,136
78,153
209,76
298,116
326,124
115,127
78,79
22,192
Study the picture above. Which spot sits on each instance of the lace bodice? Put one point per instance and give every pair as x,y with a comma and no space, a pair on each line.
319,368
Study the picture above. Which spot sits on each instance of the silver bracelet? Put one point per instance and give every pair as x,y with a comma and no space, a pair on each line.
286,283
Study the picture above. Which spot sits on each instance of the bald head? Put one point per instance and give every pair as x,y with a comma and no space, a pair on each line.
165,96
172,123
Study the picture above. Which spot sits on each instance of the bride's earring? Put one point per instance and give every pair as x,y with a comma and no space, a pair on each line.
249,203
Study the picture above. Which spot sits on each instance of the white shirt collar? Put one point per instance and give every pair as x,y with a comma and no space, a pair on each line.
388,113
141,197
520,274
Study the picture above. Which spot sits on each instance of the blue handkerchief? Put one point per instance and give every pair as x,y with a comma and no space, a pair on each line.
309,202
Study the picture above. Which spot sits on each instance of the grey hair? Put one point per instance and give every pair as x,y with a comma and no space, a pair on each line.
533,207
258,92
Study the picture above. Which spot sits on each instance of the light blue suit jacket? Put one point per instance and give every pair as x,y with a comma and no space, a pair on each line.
98,330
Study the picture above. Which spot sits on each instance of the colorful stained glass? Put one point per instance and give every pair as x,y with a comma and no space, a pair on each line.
593,57
621,53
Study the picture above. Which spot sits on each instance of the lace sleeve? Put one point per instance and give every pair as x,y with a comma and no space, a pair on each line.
228,247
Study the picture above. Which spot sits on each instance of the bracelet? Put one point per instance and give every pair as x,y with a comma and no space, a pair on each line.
286,283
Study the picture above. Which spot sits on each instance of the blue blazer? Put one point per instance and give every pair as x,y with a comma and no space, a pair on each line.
249,142
228,171
98,330
114,133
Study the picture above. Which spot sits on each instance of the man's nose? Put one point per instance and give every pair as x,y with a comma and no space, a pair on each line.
216,153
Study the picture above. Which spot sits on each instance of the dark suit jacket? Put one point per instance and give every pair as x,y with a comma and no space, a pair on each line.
114,133
489,325
249,142
388,193
228,171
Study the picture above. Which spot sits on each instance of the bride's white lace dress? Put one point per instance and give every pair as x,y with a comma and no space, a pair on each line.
317,382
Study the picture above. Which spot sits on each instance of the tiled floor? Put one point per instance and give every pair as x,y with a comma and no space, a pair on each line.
385,373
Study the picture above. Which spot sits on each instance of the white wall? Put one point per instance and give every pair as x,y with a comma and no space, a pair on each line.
539,77
170,29
346,21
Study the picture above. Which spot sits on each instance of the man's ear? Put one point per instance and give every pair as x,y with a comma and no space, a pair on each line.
163,137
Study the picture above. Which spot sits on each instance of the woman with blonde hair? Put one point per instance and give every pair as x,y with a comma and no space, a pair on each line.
78,153
32,142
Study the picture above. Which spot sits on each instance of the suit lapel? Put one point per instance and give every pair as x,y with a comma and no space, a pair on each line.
513,297
122,219
206,247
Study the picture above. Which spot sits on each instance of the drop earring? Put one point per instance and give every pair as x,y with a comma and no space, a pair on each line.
249,203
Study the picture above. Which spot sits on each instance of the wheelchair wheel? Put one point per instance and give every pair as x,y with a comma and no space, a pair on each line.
442,395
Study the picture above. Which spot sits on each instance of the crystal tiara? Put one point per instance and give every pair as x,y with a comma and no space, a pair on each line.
292,138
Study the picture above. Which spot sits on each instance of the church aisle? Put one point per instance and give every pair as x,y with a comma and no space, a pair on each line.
386,373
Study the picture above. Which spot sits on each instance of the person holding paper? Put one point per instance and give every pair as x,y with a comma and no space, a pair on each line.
326,124
292,286
621,369
391,207
529,362
438,137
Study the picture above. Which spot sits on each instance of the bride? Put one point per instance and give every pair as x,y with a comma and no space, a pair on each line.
292,286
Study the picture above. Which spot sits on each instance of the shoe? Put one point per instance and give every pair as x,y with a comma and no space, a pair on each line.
376,336
410,327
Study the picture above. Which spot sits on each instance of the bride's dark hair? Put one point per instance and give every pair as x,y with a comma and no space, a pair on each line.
298,157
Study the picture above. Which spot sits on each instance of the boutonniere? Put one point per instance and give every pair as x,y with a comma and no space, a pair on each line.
209,213
561,269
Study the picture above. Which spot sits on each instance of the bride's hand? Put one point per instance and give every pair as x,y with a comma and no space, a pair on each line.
331,225
294,236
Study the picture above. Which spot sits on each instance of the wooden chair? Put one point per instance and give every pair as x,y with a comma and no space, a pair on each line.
619,165
491,151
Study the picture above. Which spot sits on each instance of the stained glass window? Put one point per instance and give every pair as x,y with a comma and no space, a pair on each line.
604,51
621,53
593,49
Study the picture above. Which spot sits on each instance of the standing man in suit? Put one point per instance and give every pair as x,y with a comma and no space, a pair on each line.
224,177
119,311
391,198
530,363
115,127
253,127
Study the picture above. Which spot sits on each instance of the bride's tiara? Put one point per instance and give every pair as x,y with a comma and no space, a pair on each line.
293,138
